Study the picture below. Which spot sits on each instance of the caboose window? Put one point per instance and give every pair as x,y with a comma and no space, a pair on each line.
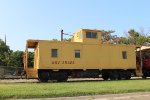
124,54
54,52
88,35
77,53
91,35
94,35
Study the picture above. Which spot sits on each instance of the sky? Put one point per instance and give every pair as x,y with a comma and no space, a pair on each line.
43,19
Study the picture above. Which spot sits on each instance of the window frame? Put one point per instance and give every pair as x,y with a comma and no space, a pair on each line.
54,53
94,35
124,54
77,53
91,35
88,35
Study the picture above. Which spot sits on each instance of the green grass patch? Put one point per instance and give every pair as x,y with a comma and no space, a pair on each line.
48,90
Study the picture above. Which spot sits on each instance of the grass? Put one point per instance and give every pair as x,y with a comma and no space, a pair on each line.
48,90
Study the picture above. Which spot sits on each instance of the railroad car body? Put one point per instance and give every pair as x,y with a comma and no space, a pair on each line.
84,57
145,61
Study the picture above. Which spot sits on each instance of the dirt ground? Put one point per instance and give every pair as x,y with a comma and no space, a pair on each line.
126,96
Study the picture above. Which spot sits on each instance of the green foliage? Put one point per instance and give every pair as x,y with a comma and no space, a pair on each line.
4,53
123,40
30,59
137,38
106,36
54,39
49,90
16,59
67,40
10,58
141,40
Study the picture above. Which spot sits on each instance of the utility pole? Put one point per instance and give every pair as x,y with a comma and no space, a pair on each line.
62,35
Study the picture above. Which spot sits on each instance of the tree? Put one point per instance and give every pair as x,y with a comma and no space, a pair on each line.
54,39
137,38
16,59
4,53
123,40
107,37
133,36
30,59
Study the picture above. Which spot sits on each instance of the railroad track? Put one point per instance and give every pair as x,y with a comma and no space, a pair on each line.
19,80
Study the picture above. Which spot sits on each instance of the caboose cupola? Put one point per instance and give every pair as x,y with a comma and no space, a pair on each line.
87,36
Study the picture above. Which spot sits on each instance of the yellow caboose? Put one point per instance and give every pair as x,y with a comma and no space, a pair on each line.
84,57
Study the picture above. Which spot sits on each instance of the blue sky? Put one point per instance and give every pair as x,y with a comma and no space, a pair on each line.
43,19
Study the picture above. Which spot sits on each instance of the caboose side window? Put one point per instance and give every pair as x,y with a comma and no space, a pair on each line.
88,35
91,35
77,53
124,54
54,52
94,35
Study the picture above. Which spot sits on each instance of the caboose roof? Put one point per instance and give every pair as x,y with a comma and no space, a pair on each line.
91,30
32,43
145,48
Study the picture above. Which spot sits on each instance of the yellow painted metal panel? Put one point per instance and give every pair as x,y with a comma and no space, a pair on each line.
92,56
32,73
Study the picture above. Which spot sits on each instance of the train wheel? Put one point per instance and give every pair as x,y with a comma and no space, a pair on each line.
128,75
119,76
63,77
113,75
105,76
43,76
144,76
